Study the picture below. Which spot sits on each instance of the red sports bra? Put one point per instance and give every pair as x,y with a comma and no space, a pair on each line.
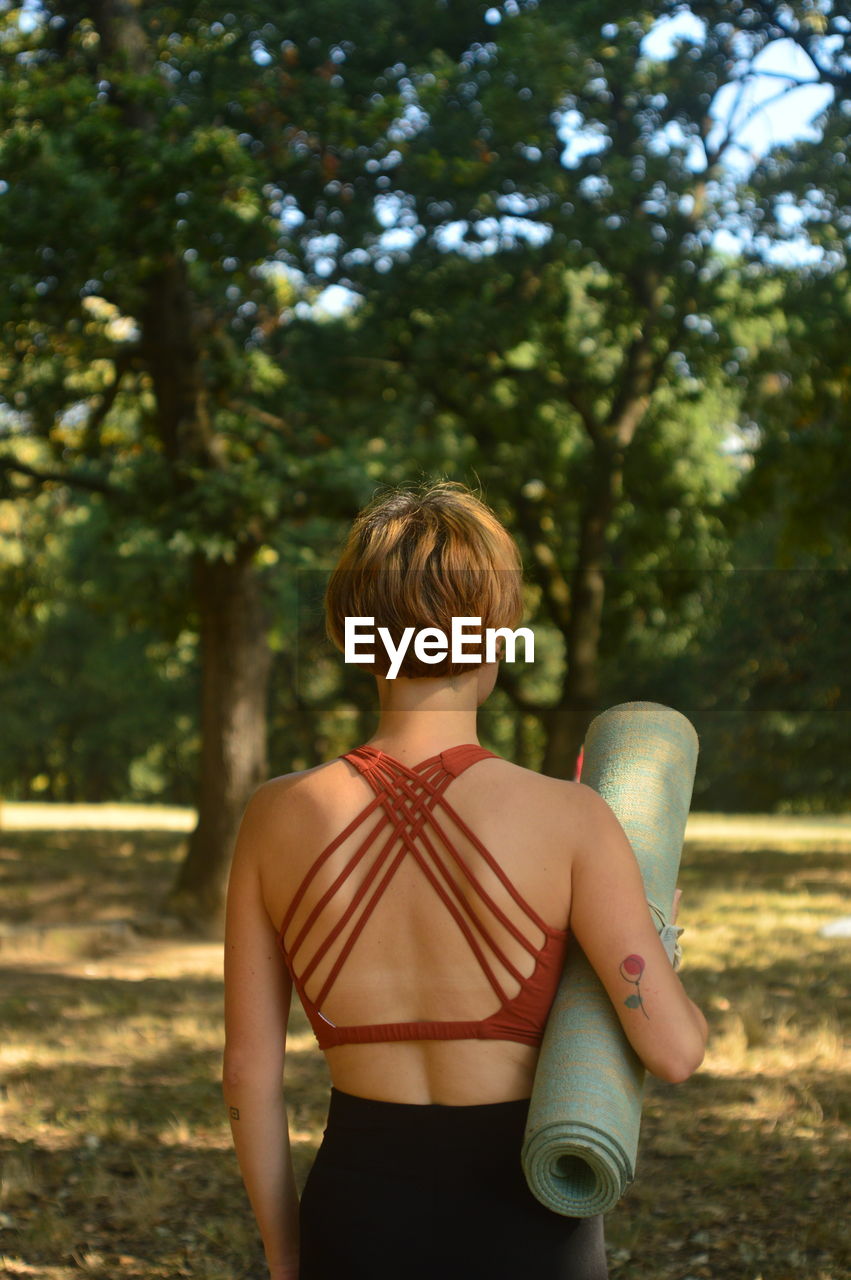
410,798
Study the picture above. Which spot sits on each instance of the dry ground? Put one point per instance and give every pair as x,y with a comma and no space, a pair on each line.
115,1149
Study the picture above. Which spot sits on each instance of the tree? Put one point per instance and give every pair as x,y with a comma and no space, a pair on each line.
799,402
97,680
231,166
560,293
758,664
160,169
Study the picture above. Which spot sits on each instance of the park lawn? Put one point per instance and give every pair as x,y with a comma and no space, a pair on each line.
115,1147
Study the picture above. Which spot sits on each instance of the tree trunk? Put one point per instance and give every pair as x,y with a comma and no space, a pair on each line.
235,666
568,720
235,656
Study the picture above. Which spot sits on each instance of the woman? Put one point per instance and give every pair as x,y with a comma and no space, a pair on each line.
418,891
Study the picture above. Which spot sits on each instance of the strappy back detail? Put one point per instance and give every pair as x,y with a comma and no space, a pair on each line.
415,810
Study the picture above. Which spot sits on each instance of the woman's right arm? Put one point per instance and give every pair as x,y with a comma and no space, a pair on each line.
611,921
258,995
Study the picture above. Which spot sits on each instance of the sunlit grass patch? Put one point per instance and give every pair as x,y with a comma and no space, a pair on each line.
116,1156
755,1147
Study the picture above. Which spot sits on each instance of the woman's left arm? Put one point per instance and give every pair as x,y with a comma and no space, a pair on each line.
258,991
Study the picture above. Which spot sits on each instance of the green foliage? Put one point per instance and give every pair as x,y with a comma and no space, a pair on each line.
800,395
755,658
97,684
155,152
179,187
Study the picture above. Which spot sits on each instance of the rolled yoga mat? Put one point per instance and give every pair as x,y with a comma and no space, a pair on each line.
581,1138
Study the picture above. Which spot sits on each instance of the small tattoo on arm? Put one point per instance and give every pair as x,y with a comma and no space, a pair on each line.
234,1113
631,970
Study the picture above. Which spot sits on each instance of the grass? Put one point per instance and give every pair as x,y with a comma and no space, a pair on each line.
115,1153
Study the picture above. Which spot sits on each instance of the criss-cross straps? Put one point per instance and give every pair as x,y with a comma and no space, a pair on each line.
410,797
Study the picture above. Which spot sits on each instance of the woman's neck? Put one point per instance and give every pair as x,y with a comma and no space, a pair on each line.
418,718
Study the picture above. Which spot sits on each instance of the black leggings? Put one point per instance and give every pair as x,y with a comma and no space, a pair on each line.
400,1191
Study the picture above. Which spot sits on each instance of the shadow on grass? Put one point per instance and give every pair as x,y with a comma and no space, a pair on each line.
137,1208
740,1177
117,1156
117,1153
43,873
763,869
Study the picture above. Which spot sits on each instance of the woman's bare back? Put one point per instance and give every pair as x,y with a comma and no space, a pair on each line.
411,962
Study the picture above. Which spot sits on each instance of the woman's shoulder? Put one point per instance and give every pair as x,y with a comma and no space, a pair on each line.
288,797
297,779
322,791
495,780
506,771
540,794
573,814
560,791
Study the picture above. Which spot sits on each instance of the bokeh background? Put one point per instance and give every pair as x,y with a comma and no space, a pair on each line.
261,261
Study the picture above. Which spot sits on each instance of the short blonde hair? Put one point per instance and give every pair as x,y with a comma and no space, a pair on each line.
417,558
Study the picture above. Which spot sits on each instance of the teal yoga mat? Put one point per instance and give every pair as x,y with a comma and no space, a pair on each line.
581,1138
